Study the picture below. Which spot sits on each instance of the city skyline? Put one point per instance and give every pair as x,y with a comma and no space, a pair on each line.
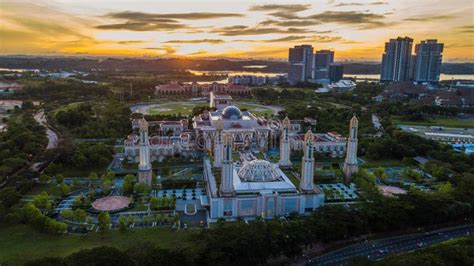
356,29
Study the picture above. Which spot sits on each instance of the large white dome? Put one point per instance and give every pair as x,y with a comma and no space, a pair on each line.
259,171
231,112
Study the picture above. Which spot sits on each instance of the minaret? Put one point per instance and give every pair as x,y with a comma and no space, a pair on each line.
227,172
285,144
144,167
350,164
218,144
307,164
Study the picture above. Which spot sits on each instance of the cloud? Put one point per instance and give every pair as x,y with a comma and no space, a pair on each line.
362,4
366,19
246,30
131,42
211,41
282,11
141,21
168,49
169,17
143,26
429,18
369,20
466,29
276,7
303,38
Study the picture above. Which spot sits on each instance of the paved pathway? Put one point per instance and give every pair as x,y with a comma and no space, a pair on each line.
52,136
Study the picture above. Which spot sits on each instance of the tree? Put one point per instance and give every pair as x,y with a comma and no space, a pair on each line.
445,188
380,173
67,214
43,201
122,223
141,188
44,178
129,182
8,197
80,215
154,203
64,189
59,178
104,221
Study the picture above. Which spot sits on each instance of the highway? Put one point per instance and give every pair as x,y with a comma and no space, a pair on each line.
378,249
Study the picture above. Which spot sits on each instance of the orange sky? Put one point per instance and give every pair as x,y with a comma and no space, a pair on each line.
355,29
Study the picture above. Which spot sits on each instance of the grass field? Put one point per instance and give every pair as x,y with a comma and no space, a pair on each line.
446,122
20,243
255,108
174,108
383,163
185,108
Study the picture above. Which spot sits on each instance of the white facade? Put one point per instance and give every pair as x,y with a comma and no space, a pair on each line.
307,166
144,166
351,164
285,144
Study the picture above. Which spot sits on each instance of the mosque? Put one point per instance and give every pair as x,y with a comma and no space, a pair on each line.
249,187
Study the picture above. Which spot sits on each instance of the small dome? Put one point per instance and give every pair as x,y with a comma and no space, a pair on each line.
231,112
259,171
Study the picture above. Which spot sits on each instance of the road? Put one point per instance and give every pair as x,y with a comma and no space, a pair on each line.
52,136
378,249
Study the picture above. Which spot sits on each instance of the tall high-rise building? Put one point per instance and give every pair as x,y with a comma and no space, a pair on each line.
427,61
322,60
336,72
300,59
396,60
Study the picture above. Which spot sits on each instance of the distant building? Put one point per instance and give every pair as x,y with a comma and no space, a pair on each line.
174,88
322,60
300,60
336,72
427,61
219,101
342,85
396,60
402,90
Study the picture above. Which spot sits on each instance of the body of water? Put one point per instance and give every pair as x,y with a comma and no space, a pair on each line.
234,73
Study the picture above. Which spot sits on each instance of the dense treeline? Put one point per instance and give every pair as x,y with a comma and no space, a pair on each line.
81,156
86,120
57,92
254,243
23,140
176,64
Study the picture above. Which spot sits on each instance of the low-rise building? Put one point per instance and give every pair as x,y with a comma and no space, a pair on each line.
195,89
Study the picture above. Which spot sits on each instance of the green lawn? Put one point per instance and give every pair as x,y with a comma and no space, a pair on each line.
255,108
20,243
174,108
446,122
292,178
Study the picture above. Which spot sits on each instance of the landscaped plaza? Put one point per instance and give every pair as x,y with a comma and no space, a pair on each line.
180,191
176,166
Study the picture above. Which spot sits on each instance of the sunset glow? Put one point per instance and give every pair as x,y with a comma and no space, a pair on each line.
356,29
